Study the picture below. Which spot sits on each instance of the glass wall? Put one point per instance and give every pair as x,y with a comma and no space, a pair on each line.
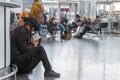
107,7
111,10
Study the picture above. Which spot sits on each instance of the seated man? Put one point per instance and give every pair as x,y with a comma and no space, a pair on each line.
63,24
52,26
89,26
77,21
86,28
25,53
96,23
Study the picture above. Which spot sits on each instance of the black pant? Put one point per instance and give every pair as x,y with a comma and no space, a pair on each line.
28,61
87,28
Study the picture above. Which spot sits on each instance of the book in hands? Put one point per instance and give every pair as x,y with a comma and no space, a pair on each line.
36,37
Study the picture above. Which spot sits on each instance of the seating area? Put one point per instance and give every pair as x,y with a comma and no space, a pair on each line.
60,40
46,34
115,27
97,30
78,59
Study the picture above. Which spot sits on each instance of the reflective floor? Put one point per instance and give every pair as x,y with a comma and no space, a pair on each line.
81,59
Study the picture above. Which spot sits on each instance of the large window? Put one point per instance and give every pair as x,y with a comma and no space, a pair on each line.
108,7
86,10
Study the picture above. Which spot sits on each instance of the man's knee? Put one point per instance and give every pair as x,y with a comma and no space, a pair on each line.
39,51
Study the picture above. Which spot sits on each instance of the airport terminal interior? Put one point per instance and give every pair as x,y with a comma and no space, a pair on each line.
81,59
94,56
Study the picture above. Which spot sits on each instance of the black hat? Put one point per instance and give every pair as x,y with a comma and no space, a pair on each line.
77,15
32,22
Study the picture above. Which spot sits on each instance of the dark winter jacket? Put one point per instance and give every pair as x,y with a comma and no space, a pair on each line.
64,21
20,41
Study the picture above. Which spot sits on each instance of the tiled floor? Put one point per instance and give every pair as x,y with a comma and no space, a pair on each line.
81,59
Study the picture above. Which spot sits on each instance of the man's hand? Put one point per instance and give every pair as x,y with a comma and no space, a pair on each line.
35,43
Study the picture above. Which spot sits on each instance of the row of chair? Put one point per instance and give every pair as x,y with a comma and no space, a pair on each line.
97,30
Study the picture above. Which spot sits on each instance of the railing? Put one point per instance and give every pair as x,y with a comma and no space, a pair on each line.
13,73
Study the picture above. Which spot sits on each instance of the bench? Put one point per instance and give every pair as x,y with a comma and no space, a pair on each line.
96,32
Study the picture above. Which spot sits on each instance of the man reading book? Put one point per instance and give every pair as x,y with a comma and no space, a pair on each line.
25,53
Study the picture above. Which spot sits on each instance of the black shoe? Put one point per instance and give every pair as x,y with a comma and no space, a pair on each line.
79,37
51,73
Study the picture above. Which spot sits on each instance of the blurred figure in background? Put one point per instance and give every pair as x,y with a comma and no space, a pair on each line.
65,29
52,26
36,7
37,12
63,24
87,25
16,22
96,22
104,19
77,21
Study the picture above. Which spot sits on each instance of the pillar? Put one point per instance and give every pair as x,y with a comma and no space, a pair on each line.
75,9
93,9
81,8
24,5
59,10
5,6
52,7
70,15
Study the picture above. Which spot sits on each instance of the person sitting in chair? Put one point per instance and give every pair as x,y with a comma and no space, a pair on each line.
52,26
95,23
86,28
63,24
89,26
77,21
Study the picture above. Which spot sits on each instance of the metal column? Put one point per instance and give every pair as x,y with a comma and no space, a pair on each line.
24,4
93,9
70,11
52,8
75,9
81,8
